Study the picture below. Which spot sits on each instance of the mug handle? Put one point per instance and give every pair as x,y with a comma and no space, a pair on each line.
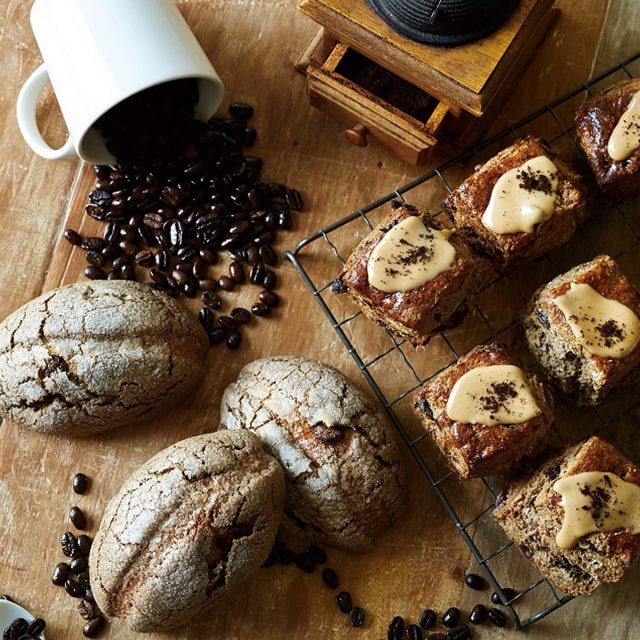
26,113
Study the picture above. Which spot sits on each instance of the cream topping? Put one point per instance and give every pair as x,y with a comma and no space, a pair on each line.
595,501
604,327
410,255
492,395
625,138
522,197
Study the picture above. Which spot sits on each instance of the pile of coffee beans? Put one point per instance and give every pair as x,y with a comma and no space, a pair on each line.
21,629
182,199
73,573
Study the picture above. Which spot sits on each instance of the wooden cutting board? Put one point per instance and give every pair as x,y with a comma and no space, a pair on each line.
421,561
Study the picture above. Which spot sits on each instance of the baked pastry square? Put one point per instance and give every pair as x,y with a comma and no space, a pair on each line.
412,275
485,413
583,328
536,513
520,204
611,118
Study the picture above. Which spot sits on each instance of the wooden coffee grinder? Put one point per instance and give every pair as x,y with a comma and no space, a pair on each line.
418,74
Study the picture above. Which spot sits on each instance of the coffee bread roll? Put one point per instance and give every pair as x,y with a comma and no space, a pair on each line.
95,355
186,528
345,477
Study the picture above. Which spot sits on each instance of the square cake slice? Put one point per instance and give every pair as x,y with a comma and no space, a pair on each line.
533,511
485,413
520,204
583,328
413,275
608,128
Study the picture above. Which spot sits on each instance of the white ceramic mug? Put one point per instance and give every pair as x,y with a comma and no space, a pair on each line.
99,52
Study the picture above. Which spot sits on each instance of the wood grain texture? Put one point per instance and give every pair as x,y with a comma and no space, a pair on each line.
420,562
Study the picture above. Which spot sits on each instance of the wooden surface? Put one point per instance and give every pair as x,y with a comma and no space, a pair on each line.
417,564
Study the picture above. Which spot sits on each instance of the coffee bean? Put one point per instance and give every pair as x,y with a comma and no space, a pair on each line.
206,318
305,562
269,280
395,630
217,335
260,309
428,619
86,609
18,626
241,110
318,555
72,237
226,283
94,273
497,617
330,578
356,617
211,300
94,627
451,617
78,565
240,315
80,483
36,627
84,544
256,275
269,298
478,614
74,588
234,338
69,544
344,601
508,593
60,573
459,632
413,632
474,581
77,518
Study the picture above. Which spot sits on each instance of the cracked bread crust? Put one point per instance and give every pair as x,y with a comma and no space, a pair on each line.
95,355
418,314
530,512
466,206
566,363
595,121
186,528
476,450
345,477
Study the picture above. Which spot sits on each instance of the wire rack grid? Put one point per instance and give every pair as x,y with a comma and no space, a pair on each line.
394,369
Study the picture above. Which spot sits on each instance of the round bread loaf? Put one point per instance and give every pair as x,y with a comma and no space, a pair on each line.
188,526
95,355
345,477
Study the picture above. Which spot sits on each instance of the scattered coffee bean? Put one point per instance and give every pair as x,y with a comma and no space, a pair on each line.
77,518
474,581
240,315
318,555
69,544
234,338
74,588
330,578
60,573
478,614
459,632
428,619
80,483
395,630
497,617
344,601
36,627
260,309
451,617
356,616
268,297
508,593
94,627
84,544
305,562
19,626
86,609
413,632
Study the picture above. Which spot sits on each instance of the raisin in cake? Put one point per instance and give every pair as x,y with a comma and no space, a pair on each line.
583,328
608,128
413,275
566,523
520,204
485,413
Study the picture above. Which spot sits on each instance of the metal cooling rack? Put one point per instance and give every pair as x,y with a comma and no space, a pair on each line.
395,370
